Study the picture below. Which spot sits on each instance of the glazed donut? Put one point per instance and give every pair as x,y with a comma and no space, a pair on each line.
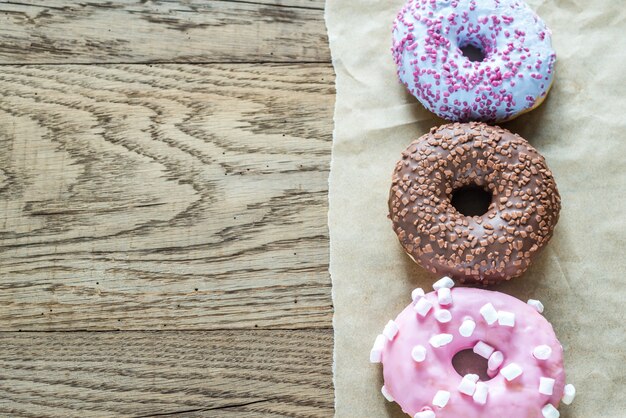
525,359
486,249
514,75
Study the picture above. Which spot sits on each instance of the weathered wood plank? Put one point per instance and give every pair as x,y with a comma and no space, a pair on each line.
164,197
215,373
123,31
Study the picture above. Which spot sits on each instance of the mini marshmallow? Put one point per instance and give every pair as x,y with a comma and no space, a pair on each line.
489,313
506,319
443,315
377,349
542,352
467,328
536,304
444,296
481,392
569,393
549,411
483,349
441,398
391,330
440,340
425,414
467,385
546,385
386,394
471,376
417,293
495,360
422,306
443,282
418,353
511,371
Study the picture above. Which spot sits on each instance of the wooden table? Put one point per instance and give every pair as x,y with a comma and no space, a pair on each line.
163,200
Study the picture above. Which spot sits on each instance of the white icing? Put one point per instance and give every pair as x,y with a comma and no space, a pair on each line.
427,36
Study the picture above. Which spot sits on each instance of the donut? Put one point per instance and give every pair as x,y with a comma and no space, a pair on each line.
512,73
523,202
525,376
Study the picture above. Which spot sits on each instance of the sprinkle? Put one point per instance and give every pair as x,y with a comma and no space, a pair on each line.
495,360
536,304
443,315
542,352
425,414
440,340
443,282
506,319
546,385
444,296
441,398
377,349
386,394
422,306
418,353
483,349
511,371
549,411
417,293
467,385
391,330
569,393
489,313
481,392
467,328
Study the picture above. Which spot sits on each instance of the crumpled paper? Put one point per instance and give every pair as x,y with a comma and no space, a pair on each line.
580,129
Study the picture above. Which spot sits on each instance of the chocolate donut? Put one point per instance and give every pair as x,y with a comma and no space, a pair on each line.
486,248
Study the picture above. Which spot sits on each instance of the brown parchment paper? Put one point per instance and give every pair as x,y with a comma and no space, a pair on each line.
580,129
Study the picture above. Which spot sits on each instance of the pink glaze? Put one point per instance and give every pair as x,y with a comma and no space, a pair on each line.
413,385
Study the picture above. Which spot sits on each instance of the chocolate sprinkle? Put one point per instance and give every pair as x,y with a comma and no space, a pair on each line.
485,249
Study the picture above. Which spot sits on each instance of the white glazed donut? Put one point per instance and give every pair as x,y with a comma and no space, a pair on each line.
513,77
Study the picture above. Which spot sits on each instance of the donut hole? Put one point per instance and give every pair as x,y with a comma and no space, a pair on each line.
471,200
473,53
466,361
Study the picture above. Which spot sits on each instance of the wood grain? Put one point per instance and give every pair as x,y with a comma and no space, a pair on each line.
162,197
213,374
120,31
166,196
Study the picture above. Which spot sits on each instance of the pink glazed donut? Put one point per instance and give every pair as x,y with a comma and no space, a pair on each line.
525,359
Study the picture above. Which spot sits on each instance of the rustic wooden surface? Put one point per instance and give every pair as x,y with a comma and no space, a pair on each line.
199,31
163,200
243,373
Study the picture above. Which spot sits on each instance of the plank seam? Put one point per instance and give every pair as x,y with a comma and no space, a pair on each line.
284,6
186,411
56,64
173,330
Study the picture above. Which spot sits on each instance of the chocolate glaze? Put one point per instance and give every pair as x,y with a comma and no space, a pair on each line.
485,249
